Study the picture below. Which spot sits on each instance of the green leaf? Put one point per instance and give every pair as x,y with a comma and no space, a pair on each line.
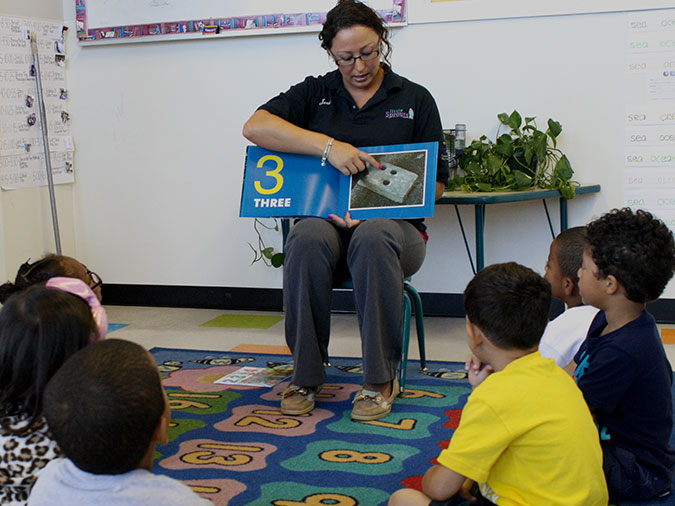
504,145
522,180
278,259
268,252
484,187
540,145
554,128
529,119
515,120
563,169
503,118
567,190
473,168
529,153
493,163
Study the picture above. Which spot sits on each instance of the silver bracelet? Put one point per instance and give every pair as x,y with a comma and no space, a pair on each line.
326,151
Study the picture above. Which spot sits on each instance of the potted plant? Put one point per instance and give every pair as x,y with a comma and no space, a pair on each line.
269,256
524,157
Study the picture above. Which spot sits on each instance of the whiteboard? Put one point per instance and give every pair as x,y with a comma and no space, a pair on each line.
134,20
431,11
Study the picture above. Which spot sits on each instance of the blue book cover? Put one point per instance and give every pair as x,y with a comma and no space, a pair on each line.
291,185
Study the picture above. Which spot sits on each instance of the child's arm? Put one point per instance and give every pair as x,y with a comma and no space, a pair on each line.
570,368
441,483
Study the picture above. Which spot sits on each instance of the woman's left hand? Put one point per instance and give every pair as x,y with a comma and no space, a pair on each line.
346,222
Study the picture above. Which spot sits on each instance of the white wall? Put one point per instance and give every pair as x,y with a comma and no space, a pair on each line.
159,151
25,215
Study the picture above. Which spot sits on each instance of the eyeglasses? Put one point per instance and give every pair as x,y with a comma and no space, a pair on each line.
95,278
364,56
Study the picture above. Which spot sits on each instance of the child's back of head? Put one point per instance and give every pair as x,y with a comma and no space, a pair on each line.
48,267
39,329
104,405
634,247
510,304
563,264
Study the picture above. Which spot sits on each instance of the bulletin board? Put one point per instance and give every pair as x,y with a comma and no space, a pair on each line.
106,21
22,153
432,11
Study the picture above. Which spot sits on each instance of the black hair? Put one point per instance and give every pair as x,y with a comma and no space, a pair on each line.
570,252
348,13
104,405
636,248
30,274
509,303
39,329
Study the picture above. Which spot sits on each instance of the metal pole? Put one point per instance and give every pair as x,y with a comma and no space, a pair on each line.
45,139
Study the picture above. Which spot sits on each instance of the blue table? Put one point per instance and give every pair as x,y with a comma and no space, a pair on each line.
481,199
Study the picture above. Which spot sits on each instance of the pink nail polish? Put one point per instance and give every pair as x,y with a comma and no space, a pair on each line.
380,167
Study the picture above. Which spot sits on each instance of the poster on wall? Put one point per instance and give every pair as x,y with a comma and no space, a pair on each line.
22,153
103,21
649,163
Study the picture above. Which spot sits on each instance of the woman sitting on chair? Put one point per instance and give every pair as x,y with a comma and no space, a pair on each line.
327,116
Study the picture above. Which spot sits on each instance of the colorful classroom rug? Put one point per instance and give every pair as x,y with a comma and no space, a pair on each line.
243,321
232,444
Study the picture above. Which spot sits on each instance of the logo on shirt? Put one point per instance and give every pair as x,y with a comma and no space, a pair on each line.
325,102
400,113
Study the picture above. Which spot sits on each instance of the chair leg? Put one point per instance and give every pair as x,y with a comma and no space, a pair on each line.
419,322
403,368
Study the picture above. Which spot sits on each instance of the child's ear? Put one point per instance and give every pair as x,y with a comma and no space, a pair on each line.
568,286
161,434
474,334
612,284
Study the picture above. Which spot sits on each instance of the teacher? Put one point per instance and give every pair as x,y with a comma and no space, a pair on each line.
362,103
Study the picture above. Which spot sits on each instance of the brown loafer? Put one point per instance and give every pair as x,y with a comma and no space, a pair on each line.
370,405
298,400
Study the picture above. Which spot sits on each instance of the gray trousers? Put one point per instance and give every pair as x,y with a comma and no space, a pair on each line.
378,254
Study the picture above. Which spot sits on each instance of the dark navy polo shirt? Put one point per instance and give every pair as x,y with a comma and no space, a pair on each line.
626,380
400,112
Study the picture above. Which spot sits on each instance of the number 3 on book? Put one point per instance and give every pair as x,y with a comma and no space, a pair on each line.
271,173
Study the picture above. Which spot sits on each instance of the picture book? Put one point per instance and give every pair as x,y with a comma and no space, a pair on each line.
256,376
291,185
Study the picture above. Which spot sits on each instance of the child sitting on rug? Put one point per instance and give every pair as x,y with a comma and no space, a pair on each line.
564,335
623,370
525,436
40,328
107,411
49,267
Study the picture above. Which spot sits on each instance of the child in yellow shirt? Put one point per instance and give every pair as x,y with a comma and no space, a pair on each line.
526,435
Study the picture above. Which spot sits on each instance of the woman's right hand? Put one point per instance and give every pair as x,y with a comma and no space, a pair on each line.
350,160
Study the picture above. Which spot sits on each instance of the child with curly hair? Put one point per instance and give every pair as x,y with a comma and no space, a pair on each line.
622,368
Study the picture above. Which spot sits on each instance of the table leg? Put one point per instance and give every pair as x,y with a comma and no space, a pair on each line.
563,214
466,242
480,239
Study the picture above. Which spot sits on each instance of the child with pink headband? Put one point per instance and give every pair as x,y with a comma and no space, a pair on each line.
40,327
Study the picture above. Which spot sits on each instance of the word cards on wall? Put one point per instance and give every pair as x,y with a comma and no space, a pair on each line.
649,167
22,153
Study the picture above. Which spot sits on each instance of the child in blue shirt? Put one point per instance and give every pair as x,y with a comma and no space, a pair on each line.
622,369
107,410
